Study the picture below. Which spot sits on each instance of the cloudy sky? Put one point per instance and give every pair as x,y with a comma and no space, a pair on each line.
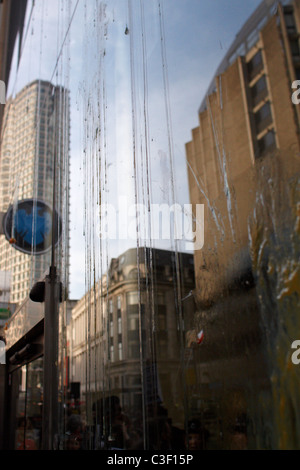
153,58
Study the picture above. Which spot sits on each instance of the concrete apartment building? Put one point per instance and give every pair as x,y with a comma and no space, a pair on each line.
35,131
110,354
244,166
247,115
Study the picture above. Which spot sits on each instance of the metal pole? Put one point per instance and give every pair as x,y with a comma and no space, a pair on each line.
50,402
51,325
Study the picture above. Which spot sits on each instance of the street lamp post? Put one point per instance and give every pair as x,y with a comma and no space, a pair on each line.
51,326
50,399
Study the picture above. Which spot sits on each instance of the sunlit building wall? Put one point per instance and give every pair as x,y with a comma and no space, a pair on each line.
247,114
243,165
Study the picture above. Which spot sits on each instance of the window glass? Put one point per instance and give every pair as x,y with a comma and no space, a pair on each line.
290,21
263,116
133,298
164,137
255,65
267,142
295,47
120,350
29,382
259,90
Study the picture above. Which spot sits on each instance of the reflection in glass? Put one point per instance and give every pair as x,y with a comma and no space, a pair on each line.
29,406
170,345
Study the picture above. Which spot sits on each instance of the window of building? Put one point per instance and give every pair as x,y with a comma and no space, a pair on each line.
112,358
297,73
289,20
120,351
266,143
295,47
255,65
132,298
119,325
263,117
133,350
133,313
259,90
133,318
